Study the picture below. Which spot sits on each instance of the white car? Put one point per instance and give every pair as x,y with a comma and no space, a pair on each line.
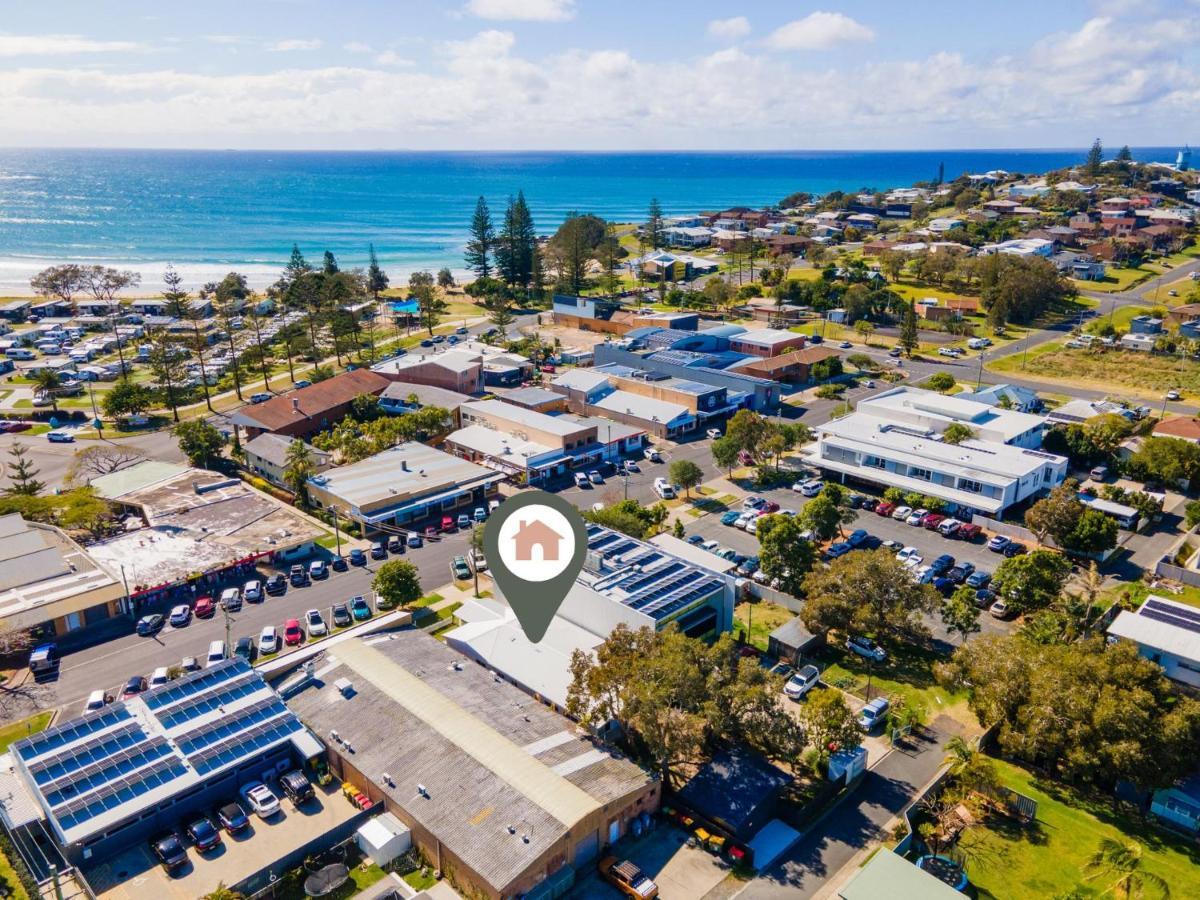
1173,395
866,648
745,519
479,561
713,433
923,574
315,624
915,517
268,640
752,525
252,590
581,480
901,513
802,682
812,488
710,546
260,799
907,555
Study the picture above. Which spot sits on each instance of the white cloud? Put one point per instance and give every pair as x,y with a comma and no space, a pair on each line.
392,58
288,46
59,45
729,29
819,31
523,10
226,39
357,47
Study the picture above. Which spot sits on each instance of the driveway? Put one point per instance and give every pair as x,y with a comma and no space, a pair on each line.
858,822
681,872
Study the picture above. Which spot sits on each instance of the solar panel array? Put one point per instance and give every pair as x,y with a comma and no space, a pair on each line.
194,683
120,765
69,732
116,793
50,768
257,738
267,708
186,710
1171,615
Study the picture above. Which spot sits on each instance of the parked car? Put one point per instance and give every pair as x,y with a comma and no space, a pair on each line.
998,543
315,623
838,550
627,878
460,569
932,521
293,634
379,550
149,625
340,615
873,714
908,554
901,513
133,687
203,834
595,477
1013,549
942,564
245,649
713,433
252,591
60,437
984,598
338,564
159,677
231,599
268,640
480,514
869,503
916,517
812,488
731,517
865,647
298,576
802,682
415,541
357,557
581,480
885,508
276,584
296,785
964,531
950,528
190,664
260,397
233,818
360,609
979,579
96,700
1000,609
395,544
317,569
260,799
169,850
448,525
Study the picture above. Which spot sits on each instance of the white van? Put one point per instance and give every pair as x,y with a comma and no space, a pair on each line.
664,489
20,353
216,653
159,677
96,700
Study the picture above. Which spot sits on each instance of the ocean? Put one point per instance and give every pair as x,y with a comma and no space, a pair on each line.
207,212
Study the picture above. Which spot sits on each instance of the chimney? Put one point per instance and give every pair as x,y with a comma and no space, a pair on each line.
404,465
296,404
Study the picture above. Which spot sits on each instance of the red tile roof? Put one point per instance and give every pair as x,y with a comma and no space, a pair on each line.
313,401
1187,427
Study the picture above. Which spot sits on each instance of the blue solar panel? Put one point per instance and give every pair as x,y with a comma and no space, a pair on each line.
50,768
225,728
187,710
70,731
113,795
195,683
235,749
78,784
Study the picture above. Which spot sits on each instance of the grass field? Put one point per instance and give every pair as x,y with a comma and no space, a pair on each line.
1138,591
24,728
1044,860
759,619
1127,370
1116,280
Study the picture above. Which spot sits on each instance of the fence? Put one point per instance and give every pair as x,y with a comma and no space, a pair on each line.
1177,573
762,592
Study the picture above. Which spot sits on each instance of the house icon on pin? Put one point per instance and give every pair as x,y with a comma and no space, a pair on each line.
535,534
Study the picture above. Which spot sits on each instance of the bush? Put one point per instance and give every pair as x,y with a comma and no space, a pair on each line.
830,391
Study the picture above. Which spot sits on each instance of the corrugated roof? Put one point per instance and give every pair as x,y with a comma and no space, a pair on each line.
892,876
312,402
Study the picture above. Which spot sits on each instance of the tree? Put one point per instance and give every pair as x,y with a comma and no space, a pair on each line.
822,517
868,592
221,892
686,474
1033,580
329,264
62,281
940,382
297,469
654,226
784,556
1125,155
397,583
179,305
748,432
629,517
82,510
864,330
908,330
199,440
430,307
677,530
500,312
829,722
104,283
1120,863
127,398
957,432
1107,431
572,247
297,266
960,615
168,366
892,263
482,241
516,245
228,296
1073,526
445,278
101,459
725,453
22,474
377,279
1095,158
48,384
1168,459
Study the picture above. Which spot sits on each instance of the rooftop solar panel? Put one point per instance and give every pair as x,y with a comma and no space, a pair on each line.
1171,619
186,710
47,768
226,727
1173,610
195,683
256,738
70,731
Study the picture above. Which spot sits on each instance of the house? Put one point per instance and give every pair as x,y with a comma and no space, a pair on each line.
536,534
15,311
305,411
792,642
1143,343
1185,427
266,456
1009,396
766,342
610,317
1184,314
1002,207
794,366
402,397
894,439
1079,266
886,874
451,370
1076,411
1025,247
404,485
943,224
791,244
688,236
1167,632
1179,805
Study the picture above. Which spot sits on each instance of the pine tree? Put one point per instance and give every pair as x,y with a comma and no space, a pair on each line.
1094,158
330,266
22,474
482,242
908,329
526,241
174,294
997,314
377,280
654,225
297,266
941,173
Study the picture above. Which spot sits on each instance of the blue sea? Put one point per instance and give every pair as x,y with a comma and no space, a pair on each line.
208,212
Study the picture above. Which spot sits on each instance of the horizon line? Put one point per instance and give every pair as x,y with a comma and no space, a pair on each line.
596,151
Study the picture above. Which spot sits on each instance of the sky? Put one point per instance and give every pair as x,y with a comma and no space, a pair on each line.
599,74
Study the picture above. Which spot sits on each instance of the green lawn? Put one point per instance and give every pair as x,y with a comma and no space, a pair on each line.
759,619
418,880
1138,591
360,879
10,884
1042,860
1127,370
1116,280
24,728
908,673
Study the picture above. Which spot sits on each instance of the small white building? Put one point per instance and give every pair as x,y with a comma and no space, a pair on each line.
1166,632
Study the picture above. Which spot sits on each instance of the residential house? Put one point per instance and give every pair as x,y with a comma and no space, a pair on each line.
689,237
1008,396
1179,805
943,224
1026,247
1167,632
1145,324
305,411
584,390
1074,412
791,244
1079,266
1002,207
266,456
887,874
1185,427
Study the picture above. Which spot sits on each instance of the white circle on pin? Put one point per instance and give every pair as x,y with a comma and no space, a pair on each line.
536,543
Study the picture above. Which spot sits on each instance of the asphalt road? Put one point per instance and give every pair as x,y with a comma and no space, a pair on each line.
110,664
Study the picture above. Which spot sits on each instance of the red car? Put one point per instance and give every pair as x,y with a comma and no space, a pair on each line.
885,509
448,523
292,633
204,607
968,532
770,506
933,520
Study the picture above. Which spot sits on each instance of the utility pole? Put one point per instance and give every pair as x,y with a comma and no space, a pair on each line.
228,629
336,535
979,379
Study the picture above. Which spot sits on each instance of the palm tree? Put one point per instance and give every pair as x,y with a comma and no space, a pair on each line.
1122,862
298,466
959,754
48,383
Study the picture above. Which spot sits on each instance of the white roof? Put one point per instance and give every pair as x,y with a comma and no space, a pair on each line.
384,474
580,380
640,407
693,554
498,444
767,337
452,360
1165,636
906,404
519,415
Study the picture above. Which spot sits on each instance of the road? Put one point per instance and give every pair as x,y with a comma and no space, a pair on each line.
858,822
108,665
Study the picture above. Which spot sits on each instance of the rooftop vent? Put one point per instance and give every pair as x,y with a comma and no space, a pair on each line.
344,686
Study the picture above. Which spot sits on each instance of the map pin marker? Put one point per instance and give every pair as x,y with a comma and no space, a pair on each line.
535,544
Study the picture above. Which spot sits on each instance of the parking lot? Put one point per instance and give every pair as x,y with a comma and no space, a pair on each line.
136,874
681,872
